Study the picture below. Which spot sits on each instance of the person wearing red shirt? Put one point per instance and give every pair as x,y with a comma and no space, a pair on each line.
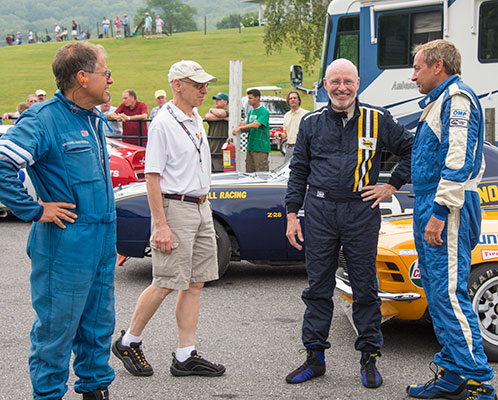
132,110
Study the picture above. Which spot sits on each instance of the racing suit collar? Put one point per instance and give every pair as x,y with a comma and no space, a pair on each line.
436,92
342,114
76,109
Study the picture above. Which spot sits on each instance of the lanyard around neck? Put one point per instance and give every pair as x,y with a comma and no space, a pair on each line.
196,145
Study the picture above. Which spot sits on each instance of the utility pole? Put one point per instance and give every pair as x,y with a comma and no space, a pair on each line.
234,108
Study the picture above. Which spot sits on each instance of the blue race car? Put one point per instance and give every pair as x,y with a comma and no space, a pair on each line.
249,213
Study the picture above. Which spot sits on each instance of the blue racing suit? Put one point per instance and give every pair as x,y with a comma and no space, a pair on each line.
447,165
336,157
72,279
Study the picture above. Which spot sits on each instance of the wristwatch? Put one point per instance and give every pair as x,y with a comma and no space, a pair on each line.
129,118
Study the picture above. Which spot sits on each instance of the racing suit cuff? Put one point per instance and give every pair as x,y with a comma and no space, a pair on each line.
396,181
292,208
39,215
440,212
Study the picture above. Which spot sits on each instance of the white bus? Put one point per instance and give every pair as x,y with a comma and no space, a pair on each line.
379,35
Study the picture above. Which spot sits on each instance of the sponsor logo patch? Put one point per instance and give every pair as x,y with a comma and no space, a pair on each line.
320,194
408,252
460,114
84,133
415,274
459,122
489,254
367,143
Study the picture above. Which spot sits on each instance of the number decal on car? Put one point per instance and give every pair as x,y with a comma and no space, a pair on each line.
274,214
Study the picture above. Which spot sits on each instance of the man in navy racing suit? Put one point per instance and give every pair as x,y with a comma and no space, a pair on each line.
338,155
72,240
447,166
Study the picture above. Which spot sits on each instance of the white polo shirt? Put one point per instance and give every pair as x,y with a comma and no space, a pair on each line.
172,153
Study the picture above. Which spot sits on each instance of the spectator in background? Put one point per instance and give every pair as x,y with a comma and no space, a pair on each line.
131,110
105,25
30,36
126,25
292,119
30,100
21,107
57,31
8,39
41,95
82,35
258,126
159,26
117,23
108,109
160,96
74,29
19,38
148,26
217,119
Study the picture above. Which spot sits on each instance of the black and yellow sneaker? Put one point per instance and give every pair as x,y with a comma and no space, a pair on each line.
370,376
479,391
132,357
98,394
195,365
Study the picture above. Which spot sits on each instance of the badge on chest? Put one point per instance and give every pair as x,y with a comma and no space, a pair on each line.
367,143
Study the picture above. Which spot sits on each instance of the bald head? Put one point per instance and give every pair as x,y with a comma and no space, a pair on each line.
341,82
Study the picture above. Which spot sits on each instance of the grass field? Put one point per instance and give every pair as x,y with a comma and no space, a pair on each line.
142,65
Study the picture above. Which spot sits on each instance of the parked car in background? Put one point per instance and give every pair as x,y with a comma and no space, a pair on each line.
127,163
277,106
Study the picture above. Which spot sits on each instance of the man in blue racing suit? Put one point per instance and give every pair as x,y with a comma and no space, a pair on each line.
447,166
338,155
72,241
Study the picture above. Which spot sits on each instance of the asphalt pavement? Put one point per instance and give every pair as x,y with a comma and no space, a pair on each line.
250,321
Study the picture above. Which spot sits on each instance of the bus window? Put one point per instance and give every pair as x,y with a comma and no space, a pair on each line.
488,32
399,33
347,40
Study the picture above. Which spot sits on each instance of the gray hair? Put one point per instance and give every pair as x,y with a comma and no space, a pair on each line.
74,57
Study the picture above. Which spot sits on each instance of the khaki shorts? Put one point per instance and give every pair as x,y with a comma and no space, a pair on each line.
257,161
194,254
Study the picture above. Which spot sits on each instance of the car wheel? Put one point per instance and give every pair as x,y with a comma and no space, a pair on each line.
283,147
483,291
224,248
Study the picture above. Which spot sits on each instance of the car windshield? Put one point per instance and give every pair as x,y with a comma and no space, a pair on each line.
275,107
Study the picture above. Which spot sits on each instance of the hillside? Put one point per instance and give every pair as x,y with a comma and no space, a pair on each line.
143,65
21,15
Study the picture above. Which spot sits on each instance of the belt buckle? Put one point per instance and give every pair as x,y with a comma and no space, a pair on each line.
202,199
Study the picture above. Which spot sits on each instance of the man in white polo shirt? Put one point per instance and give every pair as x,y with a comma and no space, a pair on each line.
183,242
292,119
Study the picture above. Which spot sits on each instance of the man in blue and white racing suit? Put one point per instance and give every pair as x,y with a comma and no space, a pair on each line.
447,165
72,241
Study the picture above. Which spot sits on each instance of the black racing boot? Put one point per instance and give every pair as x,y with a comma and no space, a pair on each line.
98,394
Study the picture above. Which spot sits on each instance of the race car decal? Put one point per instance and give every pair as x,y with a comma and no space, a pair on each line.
489,254
227,195
488,192
408,252
415,274
274,214
489,238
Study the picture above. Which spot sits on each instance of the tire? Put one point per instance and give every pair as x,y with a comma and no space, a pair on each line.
224,248
483,292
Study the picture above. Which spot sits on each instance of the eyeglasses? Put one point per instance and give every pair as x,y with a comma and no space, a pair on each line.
348,83
106,73
197,85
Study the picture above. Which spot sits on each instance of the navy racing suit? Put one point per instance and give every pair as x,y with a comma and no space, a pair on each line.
72,276
447,166
336,158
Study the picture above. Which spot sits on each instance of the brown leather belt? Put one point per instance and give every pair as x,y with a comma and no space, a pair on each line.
182,197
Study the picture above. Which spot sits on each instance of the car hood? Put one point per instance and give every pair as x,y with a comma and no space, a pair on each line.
399,224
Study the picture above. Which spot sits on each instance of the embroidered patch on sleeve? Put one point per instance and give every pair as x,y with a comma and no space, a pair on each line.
460,122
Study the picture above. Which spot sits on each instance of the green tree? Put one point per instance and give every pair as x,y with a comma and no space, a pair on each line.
298,24
250,19
178,15
232,21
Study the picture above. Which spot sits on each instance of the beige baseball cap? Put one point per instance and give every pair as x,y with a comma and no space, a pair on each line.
189,69
40,92
159,93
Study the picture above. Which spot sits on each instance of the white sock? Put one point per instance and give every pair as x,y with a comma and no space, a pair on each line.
129,338
182,353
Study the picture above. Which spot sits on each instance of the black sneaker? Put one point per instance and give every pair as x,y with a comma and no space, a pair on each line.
195,365
313,367
370,376
99,394
132,357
